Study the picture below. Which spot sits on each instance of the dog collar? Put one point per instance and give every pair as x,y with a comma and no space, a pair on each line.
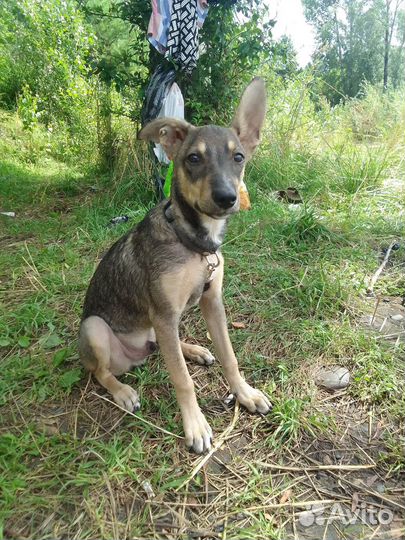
196,243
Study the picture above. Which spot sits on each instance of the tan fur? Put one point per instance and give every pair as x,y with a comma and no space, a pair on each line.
202,147
191,275
192,192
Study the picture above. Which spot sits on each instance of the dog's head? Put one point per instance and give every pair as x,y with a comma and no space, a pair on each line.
209,161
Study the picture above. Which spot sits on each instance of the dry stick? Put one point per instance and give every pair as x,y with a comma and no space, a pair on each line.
78,405
128,524
182,520
313,485
374,278
302,504
138,417
106,431
316,468
383,324
334,396
217,444
375,310
370,492
226,510
363,488
385,336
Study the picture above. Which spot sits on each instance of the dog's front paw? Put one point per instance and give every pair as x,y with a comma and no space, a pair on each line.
197,431
252,399
127,398
197,354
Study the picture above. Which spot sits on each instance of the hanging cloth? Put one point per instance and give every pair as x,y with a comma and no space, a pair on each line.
159,23
173,29
182,42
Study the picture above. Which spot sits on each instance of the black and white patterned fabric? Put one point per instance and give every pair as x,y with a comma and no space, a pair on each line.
182,42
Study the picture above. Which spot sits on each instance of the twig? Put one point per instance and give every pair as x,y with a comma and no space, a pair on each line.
316,468
363,488
376,275
298,504
227,467
139,417
375,310
396,334
78,405
216,446
370,492
226,510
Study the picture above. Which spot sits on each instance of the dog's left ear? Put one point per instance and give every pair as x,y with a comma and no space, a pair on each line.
249,116
169,132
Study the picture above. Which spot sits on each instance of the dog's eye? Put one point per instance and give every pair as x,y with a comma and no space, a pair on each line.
193,158
239,157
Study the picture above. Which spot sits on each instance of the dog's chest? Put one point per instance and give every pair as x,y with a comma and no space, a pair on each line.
195,296
210,265
185,287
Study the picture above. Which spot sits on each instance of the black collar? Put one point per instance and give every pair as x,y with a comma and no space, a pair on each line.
189,230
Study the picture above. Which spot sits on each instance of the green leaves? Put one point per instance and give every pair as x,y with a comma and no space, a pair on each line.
52,341
44,59
24,341
60,357
69,378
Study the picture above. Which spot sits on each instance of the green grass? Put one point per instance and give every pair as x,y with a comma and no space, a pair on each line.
72,465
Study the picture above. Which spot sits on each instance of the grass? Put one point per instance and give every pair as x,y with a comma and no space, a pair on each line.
72,465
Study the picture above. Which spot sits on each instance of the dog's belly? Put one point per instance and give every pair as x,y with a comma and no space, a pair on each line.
129,350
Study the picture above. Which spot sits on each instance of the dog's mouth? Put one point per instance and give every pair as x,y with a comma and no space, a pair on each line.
218,213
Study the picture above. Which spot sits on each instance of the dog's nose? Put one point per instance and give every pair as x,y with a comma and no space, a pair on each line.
224,198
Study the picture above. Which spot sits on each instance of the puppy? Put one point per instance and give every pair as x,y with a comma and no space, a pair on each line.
172,260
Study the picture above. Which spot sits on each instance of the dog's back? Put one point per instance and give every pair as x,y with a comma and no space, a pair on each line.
121,289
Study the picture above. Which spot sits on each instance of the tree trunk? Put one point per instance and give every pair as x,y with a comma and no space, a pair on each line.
389,31
104,125
386,58
386,45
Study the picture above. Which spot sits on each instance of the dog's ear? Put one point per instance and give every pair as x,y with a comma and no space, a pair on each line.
169,132
249,116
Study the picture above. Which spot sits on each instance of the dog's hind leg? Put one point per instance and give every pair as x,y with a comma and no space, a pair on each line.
96,342
197,354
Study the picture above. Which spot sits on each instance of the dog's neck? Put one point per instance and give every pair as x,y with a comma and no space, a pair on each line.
195,230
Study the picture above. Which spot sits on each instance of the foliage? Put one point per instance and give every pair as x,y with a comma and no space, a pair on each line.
233,51
352,44
44,47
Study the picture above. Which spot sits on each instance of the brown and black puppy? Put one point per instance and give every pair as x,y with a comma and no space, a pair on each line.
170,261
